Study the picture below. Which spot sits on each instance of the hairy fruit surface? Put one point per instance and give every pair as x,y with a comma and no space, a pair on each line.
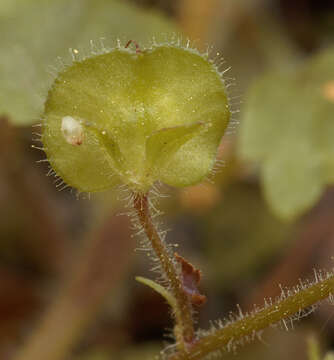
135,117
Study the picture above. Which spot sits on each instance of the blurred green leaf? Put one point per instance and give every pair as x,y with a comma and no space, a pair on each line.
229,233
288,128
313,348
34,34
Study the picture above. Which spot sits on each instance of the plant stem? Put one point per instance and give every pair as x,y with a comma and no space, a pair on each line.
99,269
30,191
184,328
250,324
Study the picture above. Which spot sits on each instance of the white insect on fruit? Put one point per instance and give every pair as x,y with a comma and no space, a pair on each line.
72,130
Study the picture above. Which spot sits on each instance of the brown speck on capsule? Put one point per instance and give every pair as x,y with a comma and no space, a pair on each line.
72,130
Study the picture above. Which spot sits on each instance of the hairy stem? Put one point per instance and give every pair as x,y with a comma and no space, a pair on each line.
251,324
184,328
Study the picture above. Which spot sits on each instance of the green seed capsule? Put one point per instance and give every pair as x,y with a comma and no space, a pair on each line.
135,118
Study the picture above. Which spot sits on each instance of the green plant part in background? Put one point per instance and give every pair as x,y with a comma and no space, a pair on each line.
288,128
135,117
28,56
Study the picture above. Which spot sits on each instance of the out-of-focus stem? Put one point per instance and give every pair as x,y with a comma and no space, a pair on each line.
99,270
50,243
195,17
184,329
58,332
253,323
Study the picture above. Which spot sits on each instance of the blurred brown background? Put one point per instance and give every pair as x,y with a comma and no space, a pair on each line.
68,263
